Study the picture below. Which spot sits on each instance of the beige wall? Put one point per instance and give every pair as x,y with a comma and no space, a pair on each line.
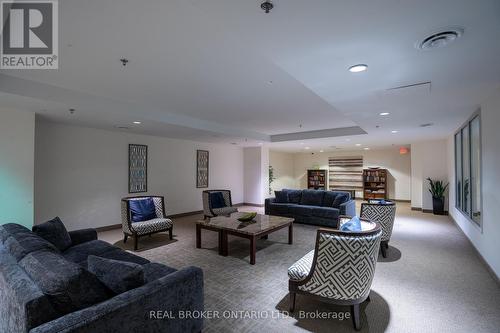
17,144
398,166
282,164
82,173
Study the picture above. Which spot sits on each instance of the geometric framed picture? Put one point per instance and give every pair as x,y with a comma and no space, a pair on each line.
201,168
137,168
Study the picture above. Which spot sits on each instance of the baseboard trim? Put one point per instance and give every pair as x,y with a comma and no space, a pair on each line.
418,209
400,200
479,255
108,227
251,204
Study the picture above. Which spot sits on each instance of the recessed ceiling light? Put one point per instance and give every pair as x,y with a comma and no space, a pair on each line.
260,143
302,143
307,148
321,151
347,140
384,113
358,144
358,68
137,122
394,132
366,148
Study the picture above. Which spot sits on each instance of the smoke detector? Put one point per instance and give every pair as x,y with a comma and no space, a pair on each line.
440,39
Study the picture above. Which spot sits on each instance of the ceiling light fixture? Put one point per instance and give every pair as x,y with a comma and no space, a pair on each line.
384,113
394,132
266,6
358,144
358,68
321,151
366,148
307,148
137,122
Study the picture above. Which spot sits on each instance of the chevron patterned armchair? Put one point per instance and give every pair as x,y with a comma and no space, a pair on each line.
158,223
340,269
384,214
208,206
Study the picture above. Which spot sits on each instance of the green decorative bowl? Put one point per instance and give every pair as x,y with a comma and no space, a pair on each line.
247,217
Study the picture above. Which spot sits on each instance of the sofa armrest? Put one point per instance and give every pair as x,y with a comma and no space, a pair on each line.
348,208
267,204
159,306
82,236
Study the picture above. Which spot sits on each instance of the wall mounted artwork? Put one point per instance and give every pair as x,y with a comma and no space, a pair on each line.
201,168
137,168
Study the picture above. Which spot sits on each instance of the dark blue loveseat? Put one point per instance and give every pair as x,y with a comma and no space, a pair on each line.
316,207
30,265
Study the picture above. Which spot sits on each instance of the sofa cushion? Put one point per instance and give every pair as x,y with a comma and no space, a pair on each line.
340,199
153,271
281,196
55,232
142,209
119,254
280,208
80,252
329,198
293,196
312,197
326,212
22,243
119,276
301,210
9,229
68,286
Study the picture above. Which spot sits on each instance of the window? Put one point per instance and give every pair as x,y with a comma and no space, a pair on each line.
468,169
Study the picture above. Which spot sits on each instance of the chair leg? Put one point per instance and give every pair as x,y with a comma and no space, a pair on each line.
292,301
368,299
356,320
136,242
170,234
125,238
384,251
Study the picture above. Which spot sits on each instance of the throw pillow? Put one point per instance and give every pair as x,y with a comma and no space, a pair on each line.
54,232
281,196
142,209
293,195
340,199
353,224
217,200
329,198
119,276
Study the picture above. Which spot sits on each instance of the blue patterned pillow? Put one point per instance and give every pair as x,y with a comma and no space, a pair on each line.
353,224
142,210
217,200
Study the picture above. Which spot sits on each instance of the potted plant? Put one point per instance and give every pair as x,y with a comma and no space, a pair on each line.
271,178
437,190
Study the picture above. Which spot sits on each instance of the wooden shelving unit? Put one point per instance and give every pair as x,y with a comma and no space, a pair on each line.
316,179
374,184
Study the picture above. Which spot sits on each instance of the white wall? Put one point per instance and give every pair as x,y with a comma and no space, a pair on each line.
17,131
82,173
282,164
428,160
256,174
397,165
485,239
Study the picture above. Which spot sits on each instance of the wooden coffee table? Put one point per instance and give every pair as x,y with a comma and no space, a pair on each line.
260,227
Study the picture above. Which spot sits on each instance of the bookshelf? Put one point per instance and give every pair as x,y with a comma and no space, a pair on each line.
374,184
316,179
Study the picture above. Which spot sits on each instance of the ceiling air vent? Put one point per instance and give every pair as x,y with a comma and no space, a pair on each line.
440,39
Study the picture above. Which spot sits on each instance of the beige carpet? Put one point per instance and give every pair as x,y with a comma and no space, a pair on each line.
432,280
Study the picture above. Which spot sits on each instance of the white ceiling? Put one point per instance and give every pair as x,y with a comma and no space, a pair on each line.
223,71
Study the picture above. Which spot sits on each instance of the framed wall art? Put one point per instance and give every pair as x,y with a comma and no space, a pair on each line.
201,168
137,168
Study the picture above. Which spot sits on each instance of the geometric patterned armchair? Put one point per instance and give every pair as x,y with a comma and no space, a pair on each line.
208,209
384,214
340,269
143,228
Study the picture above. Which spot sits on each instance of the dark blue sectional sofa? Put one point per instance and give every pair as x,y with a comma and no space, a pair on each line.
316,207
44,289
